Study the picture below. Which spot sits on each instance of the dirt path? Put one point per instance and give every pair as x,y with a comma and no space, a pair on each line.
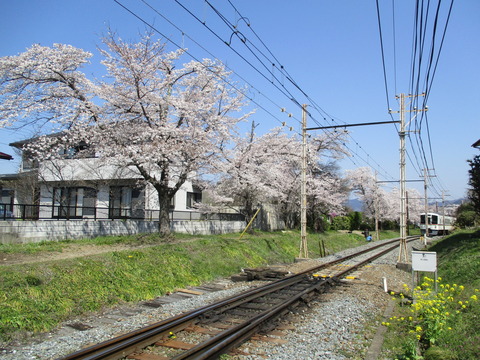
72,251
76,250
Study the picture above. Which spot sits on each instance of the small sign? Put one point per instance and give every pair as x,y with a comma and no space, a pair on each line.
424,261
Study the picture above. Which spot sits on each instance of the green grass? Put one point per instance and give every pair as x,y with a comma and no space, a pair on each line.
444,325
459,258
36,297
60,246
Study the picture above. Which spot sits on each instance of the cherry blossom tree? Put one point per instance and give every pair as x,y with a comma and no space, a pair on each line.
254,171
163,121
415,205
375,199
43,87
326,191
266,170
327,194
364,185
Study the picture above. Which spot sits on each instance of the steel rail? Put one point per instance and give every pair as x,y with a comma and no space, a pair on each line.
125,344
226,340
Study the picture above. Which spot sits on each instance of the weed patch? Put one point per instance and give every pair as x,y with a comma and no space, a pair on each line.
443,324
36,297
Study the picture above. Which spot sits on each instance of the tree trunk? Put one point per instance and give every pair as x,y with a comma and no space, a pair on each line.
164,214
249,212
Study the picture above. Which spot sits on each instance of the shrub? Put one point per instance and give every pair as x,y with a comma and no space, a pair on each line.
430,323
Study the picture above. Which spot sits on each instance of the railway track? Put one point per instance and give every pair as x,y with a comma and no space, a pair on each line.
215,329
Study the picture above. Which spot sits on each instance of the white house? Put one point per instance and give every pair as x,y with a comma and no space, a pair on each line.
92,188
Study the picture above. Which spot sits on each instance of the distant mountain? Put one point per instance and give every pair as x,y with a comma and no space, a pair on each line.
456,202
449,202
354,204
357,205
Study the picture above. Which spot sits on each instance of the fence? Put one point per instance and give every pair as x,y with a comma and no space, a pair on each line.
65,212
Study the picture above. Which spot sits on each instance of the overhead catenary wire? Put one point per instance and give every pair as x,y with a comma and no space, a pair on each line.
288,76
369,159
286,93
196,59
425,54
244,40
251,86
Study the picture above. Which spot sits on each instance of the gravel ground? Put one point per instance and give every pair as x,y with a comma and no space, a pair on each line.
337,325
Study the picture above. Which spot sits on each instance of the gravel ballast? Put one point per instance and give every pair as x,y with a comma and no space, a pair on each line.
337,325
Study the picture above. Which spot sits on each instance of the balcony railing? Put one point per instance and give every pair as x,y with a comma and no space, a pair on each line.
66,212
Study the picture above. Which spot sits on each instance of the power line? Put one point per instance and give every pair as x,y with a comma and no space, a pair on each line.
252,49
245,40
423,67
195,58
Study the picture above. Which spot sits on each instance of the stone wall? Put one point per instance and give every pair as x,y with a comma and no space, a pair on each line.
53,230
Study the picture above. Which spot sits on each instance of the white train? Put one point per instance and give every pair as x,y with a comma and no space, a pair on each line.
437,224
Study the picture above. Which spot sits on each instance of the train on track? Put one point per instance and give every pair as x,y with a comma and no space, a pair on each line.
437,224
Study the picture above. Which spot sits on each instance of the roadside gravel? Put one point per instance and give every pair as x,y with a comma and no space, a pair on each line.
337,325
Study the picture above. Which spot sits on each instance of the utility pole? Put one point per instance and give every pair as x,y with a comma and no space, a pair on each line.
303,204
407,214
402,254
403,234
303,197
443,210
425,186
375,206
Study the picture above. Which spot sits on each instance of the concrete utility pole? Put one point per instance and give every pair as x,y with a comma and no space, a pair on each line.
402,254
425,187
303,198
375,207
407,214
303,204
443,209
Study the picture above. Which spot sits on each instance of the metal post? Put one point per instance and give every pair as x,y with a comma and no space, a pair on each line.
403,197
425,186
443,210
403,235
375,206
303,200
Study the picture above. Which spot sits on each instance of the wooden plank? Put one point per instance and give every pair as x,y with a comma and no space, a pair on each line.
175,344
188,291
146,356
202,330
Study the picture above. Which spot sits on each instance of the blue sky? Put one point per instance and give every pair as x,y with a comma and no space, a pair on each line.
331,49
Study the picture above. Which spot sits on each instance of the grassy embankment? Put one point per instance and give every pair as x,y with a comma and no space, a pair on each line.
444,324
36,297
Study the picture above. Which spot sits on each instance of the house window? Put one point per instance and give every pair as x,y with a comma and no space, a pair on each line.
73,151
66,203
192,198
28,161
138,203
6,203
7,199
89,201
120,202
